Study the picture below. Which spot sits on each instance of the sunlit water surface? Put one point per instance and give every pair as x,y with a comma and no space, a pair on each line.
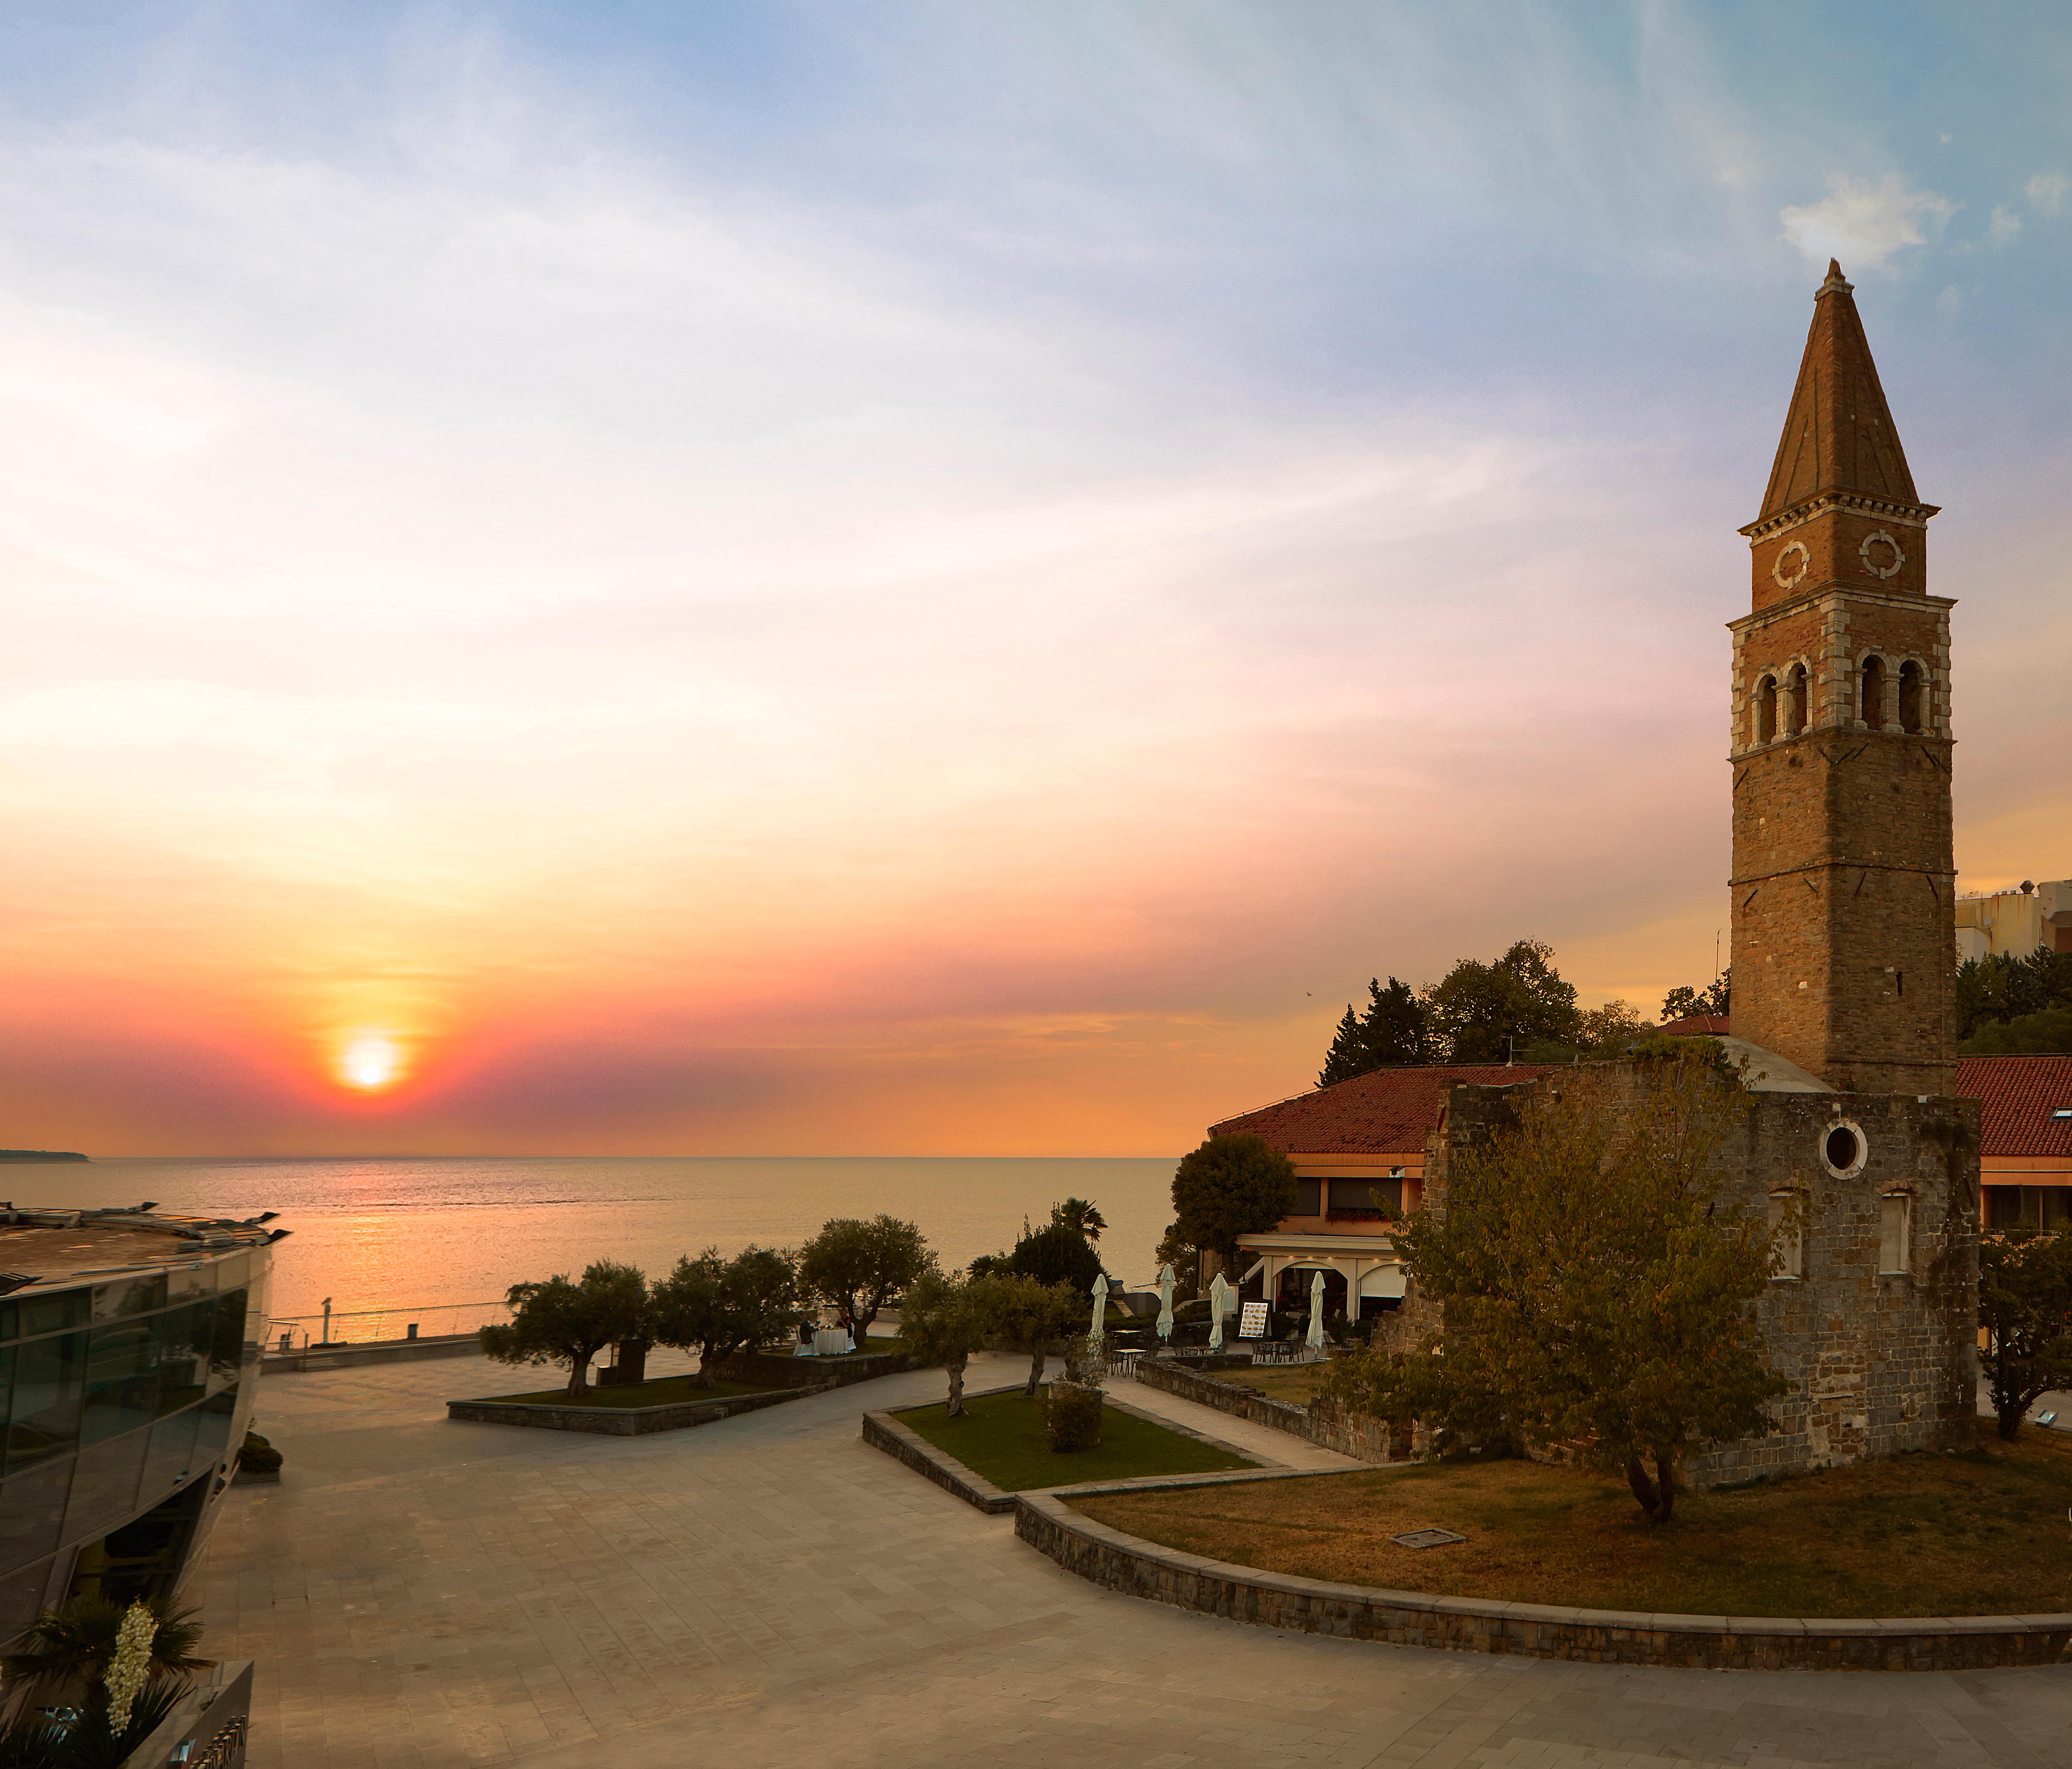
380,1234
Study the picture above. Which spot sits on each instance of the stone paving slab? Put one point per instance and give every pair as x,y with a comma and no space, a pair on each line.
768,1589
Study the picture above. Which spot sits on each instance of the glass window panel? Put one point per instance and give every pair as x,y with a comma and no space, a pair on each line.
171,1459
128,1298
2056,1206
32,1506
55,1313
10,1320
43,1412
196,1279
183,1362
6,1388
227,1336
212,1428
234,1274
1309,1201
121,1381
104,1487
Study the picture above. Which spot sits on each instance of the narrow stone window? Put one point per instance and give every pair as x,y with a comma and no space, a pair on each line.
1870,708
1895,1231
1796,709
1910,697
1788,1235
1765,710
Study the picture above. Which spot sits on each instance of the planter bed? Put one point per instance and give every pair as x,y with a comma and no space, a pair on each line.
620,1418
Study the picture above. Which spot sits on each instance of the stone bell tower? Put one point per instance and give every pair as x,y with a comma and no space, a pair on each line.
1845,944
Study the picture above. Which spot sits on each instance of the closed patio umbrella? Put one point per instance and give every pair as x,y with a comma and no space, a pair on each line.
1166,1301
1100,1309
1220,1306
1316,1313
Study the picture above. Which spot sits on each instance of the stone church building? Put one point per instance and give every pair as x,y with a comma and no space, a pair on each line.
1843,964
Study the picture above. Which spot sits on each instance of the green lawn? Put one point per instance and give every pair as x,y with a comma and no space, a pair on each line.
1299,1383
1979,1532
663,1391
1000,1437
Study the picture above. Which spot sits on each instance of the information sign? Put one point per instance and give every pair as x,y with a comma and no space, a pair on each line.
1251,1323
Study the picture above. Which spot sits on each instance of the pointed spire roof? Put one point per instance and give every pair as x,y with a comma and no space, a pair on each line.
1839,435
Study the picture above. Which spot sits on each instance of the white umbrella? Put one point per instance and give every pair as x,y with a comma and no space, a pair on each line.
1316,1313
1100,1308
1220,1306
1164,1302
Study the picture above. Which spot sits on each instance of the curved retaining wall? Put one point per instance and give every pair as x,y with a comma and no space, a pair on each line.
1323,1422
1125,1563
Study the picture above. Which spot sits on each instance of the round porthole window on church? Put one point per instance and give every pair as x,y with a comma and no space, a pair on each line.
1844,1150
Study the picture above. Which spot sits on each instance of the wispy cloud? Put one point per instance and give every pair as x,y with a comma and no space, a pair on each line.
2046,193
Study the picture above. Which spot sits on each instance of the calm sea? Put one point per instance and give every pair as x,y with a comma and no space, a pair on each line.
407,1234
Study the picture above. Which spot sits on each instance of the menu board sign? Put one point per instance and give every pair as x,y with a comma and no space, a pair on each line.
1251,1323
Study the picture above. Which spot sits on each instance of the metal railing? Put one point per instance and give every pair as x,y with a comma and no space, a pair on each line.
371,1326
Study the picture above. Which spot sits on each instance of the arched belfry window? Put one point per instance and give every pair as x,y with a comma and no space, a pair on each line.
1870,707
1910,697
1765,710
1798,707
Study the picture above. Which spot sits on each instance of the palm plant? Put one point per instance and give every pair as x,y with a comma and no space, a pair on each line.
67,1650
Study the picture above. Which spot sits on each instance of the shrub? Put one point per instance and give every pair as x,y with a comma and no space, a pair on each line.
258,1456
1071,1417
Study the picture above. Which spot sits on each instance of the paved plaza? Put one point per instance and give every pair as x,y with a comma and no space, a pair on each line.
767,1591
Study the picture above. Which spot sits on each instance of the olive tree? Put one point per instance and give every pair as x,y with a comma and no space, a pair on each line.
1026,1316
1597,1293
860,1266
557,1321
717,1306
940,1322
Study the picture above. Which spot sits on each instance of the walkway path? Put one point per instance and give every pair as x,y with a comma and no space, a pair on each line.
766,1591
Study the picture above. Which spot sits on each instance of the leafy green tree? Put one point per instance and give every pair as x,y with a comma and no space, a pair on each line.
2025,1307
1024,1315
1492,1013
1080,1215
1392,1034
941,1322
2001,988
560,1323
1231,1186
1682,1001
718,1307
65,1652
1057,1253
861,1267
1597,1291
2047,1033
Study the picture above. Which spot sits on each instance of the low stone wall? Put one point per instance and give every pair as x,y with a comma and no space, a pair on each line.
780,1369
1125,1563
1324,1422
623,1422
882,1431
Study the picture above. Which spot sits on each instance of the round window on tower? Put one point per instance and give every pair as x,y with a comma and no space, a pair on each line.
1844,1150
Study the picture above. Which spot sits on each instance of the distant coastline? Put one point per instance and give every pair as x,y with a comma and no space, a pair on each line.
40,1154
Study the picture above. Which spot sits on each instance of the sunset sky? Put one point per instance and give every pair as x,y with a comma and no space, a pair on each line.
939,578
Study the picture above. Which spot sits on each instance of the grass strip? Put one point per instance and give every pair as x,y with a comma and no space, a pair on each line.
1001,1437
1979,1531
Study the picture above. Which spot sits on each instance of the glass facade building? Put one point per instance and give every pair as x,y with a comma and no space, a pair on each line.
125,1395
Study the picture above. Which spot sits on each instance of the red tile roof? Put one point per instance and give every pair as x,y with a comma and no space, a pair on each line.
1698,1025
1385,1112
2019,1094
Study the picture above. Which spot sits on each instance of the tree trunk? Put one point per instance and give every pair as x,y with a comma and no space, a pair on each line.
578,1368
1665,1481
1035,1373
2011,1414
957,1402
862,1327
1643,1488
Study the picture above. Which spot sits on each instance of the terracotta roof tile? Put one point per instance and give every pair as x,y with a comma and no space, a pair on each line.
2019,1094
1385,1112
1698,1025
